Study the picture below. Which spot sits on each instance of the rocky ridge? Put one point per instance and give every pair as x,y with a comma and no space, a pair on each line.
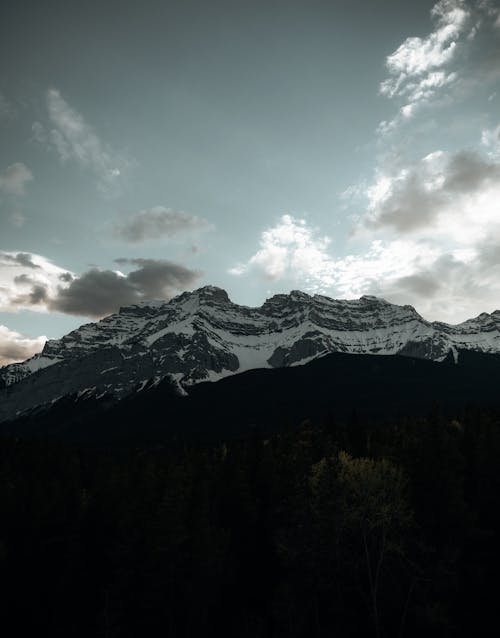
203,336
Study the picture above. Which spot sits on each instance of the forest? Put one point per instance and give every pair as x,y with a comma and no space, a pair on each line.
333,528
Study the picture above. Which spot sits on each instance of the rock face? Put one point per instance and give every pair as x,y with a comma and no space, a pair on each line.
203,336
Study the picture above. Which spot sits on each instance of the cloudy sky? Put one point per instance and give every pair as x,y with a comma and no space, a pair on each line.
336,147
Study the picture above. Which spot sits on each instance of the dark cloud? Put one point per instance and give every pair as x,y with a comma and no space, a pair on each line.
421,284
23,280
467,172
66,276
409,205
19,259
156,223
97,293
449,285
37,295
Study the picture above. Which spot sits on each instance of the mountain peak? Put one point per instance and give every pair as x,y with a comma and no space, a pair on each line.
211,294
374,299
201,335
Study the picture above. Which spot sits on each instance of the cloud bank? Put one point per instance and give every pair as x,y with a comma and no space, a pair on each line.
430,236
31,282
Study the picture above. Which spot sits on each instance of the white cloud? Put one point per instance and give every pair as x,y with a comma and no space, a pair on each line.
436,220
490,139
446,206
16,347
294,250
27,281
419,68
452,197
14,178
430,237
420,57
445,280
75,140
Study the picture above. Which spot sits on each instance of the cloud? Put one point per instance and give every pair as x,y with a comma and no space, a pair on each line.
453,287
462,49
16,347
156,223
430,231
291,249
490,139
32,282
294,252
97,293
448,205
22,278
73,139
25,260
417,56
14,178
447,271
416,66
442,195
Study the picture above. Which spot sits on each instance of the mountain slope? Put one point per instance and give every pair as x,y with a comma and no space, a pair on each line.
337,388
203,336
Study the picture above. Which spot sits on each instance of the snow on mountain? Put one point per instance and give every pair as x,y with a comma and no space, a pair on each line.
202,335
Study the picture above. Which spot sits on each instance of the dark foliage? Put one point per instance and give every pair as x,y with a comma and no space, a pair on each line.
339,527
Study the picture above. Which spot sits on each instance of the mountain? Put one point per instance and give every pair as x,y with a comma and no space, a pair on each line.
336,389
203,336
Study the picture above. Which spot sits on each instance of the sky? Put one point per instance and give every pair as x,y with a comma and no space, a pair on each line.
336,147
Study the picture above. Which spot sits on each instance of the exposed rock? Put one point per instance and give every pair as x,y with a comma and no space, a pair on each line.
202,335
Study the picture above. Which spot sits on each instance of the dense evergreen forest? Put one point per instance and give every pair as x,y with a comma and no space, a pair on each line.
329,529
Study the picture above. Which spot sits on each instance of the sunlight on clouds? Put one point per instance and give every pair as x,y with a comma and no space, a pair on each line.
430,236
418,68
16,347
32,282
418,56
291,248
446,197
28,281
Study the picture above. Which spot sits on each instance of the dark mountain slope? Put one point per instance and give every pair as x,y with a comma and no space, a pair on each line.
335,387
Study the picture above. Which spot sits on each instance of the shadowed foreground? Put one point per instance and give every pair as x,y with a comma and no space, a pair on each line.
329,529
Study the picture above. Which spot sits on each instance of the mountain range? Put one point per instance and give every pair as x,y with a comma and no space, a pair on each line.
202,336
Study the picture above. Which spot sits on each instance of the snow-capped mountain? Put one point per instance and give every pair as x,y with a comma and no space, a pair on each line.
202,335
